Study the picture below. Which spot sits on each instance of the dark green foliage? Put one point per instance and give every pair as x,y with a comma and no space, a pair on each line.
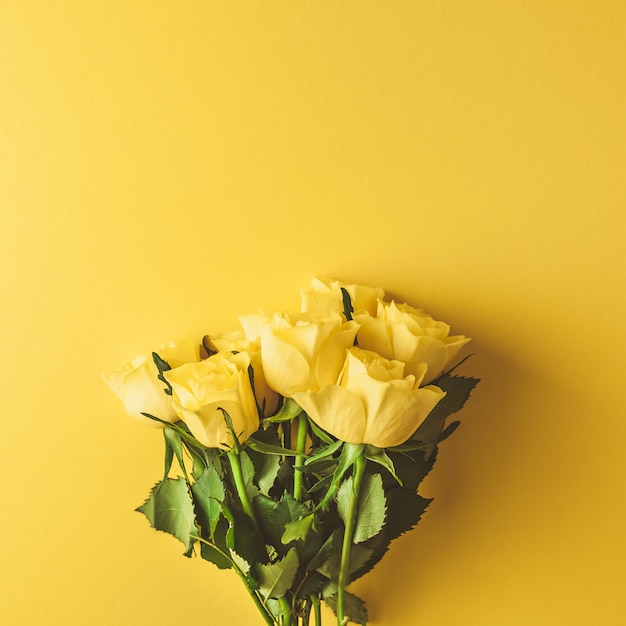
348,309
289,551
274,516
276,578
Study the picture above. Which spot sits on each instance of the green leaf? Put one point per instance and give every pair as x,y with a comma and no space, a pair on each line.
405,509
458,390
298,529
313,583
267,448
216,550
321,467
322,435
284,479
199,463
323,554
344,495
349,454
273,517
170,509
267,466
289,410
321,484
360,554
173,440
243,539
275,579
348,309
213,555
371,508
412,467
353,607
186,436
208,495
323,452
378,455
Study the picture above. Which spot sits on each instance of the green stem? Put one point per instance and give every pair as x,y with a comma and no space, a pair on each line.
306,612
269,620
285,607
267,616
298,475
235,464
317,610
359,469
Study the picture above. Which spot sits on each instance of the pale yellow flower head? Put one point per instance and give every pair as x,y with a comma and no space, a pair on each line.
373,402
138,387
325,296
300,351
235,341
399,331
201,391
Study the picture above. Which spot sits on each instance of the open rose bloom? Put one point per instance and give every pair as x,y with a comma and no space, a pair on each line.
202,392
372,402
299,436
138,386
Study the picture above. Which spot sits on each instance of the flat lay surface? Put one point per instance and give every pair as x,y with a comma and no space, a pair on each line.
165,167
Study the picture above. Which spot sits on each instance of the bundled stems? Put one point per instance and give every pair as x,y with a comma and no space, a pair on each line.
317,609
285,608
235,464
342,580
237,472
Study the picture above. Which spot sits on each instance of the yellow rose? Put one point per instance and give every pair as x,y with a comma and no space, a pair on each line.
372,403
325,296
235,341
409,335
299,351
200,390
138,387
253,324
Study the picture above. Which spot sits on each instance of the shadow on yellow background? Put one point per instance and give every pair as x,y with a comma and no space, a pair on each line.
165,167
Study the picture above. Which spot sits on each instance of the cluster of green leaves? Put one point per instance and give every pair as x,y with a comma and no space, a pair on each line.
297,514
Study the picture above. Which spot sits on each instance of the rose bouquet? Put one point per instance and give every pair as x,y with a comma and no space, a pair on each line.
300,442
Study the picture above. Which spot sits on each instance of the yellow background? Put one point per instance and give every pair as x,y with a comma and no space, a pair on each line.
166,166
